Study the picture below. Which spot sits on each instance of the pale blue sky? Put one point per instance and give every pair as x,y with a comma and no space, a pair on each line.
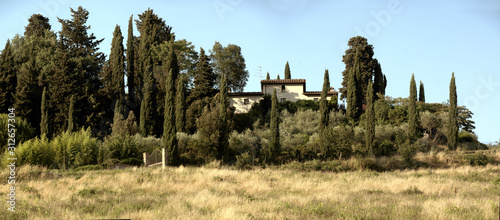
429,38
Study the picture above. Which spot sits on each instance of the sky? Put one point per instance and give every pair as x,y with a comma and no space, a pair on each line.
429,38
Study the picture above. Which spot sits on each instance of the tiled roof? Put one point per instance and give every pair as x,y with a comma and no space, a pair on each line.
319,93
246,94
282,81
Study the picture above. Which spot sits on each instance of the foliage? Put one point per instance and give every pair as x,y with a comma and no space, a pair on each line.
421,93
204,79
229,62
23,131
287,71
370,119
274,140
244,161
478,159
8,78
169,130
412,111
453,116
354,97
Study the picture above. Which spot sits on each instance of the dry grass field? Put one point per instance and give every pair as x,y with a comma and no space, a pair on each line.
271,193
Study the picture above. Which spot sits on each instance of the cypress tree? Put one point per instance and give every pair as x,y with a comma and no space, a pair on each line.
421,93
130,61
117,62
267,76
379,82
453,116
274,143
278,77
71,113
323,102
412,111
370,119
45,123
146,123
180,105
287,71
354,105
8,78
223,130
359,50
169,130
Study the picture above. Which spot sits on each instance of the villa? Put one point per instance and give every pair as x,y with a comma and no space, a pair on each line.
286,90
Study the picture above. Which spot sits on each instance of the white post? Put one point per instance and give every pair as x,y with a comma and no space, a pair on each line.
145,157
163,158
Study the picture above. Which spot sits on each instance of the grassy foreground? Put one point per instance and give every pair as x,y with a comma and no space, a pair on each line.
210,193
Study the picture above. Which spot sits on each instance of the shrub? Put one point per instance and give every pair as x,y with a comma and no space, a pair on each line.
23,132
464,136
407,151
75,149
478,159
244,161
122,149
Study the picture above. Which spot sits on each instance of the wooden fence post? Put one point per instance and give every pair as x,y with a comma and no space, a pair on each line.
163,158
145,157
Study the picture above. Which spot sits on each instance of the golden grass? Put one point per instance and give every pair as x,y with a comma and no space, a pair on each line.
211,193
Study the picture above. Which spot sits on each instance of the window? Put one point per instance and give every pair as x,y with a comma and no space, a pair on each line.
283,100
246,101
315,99
282,88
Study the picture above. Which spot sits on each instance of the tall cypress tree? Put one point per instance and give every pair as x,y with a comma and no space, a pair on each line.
130,61
354,104
421,93
169,130
223,130
323,109
287,71
45,123
171,63
267,76
278,77
323,102
71,115
379,82
274,143
117,62
146,123
412,111
8,78
180,104
453,116
370,119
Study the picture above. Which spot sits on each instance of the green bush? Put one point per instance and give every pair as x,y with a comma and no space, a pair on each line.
75,149
121,150
478,159
23,131
407,151
244,161
464,136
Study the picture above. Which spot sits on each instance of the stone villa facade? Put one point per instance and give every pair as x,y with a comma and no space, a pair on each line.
286,90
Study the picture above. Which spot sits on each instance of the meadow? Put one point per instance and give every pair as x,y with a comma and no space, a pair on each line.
212,192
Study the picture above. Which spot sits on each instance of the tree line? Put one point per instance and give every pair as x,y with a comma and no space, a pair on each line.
156,86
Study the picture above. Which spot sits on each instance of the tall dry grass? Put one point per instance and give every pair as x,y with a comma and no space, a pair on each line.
211,193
